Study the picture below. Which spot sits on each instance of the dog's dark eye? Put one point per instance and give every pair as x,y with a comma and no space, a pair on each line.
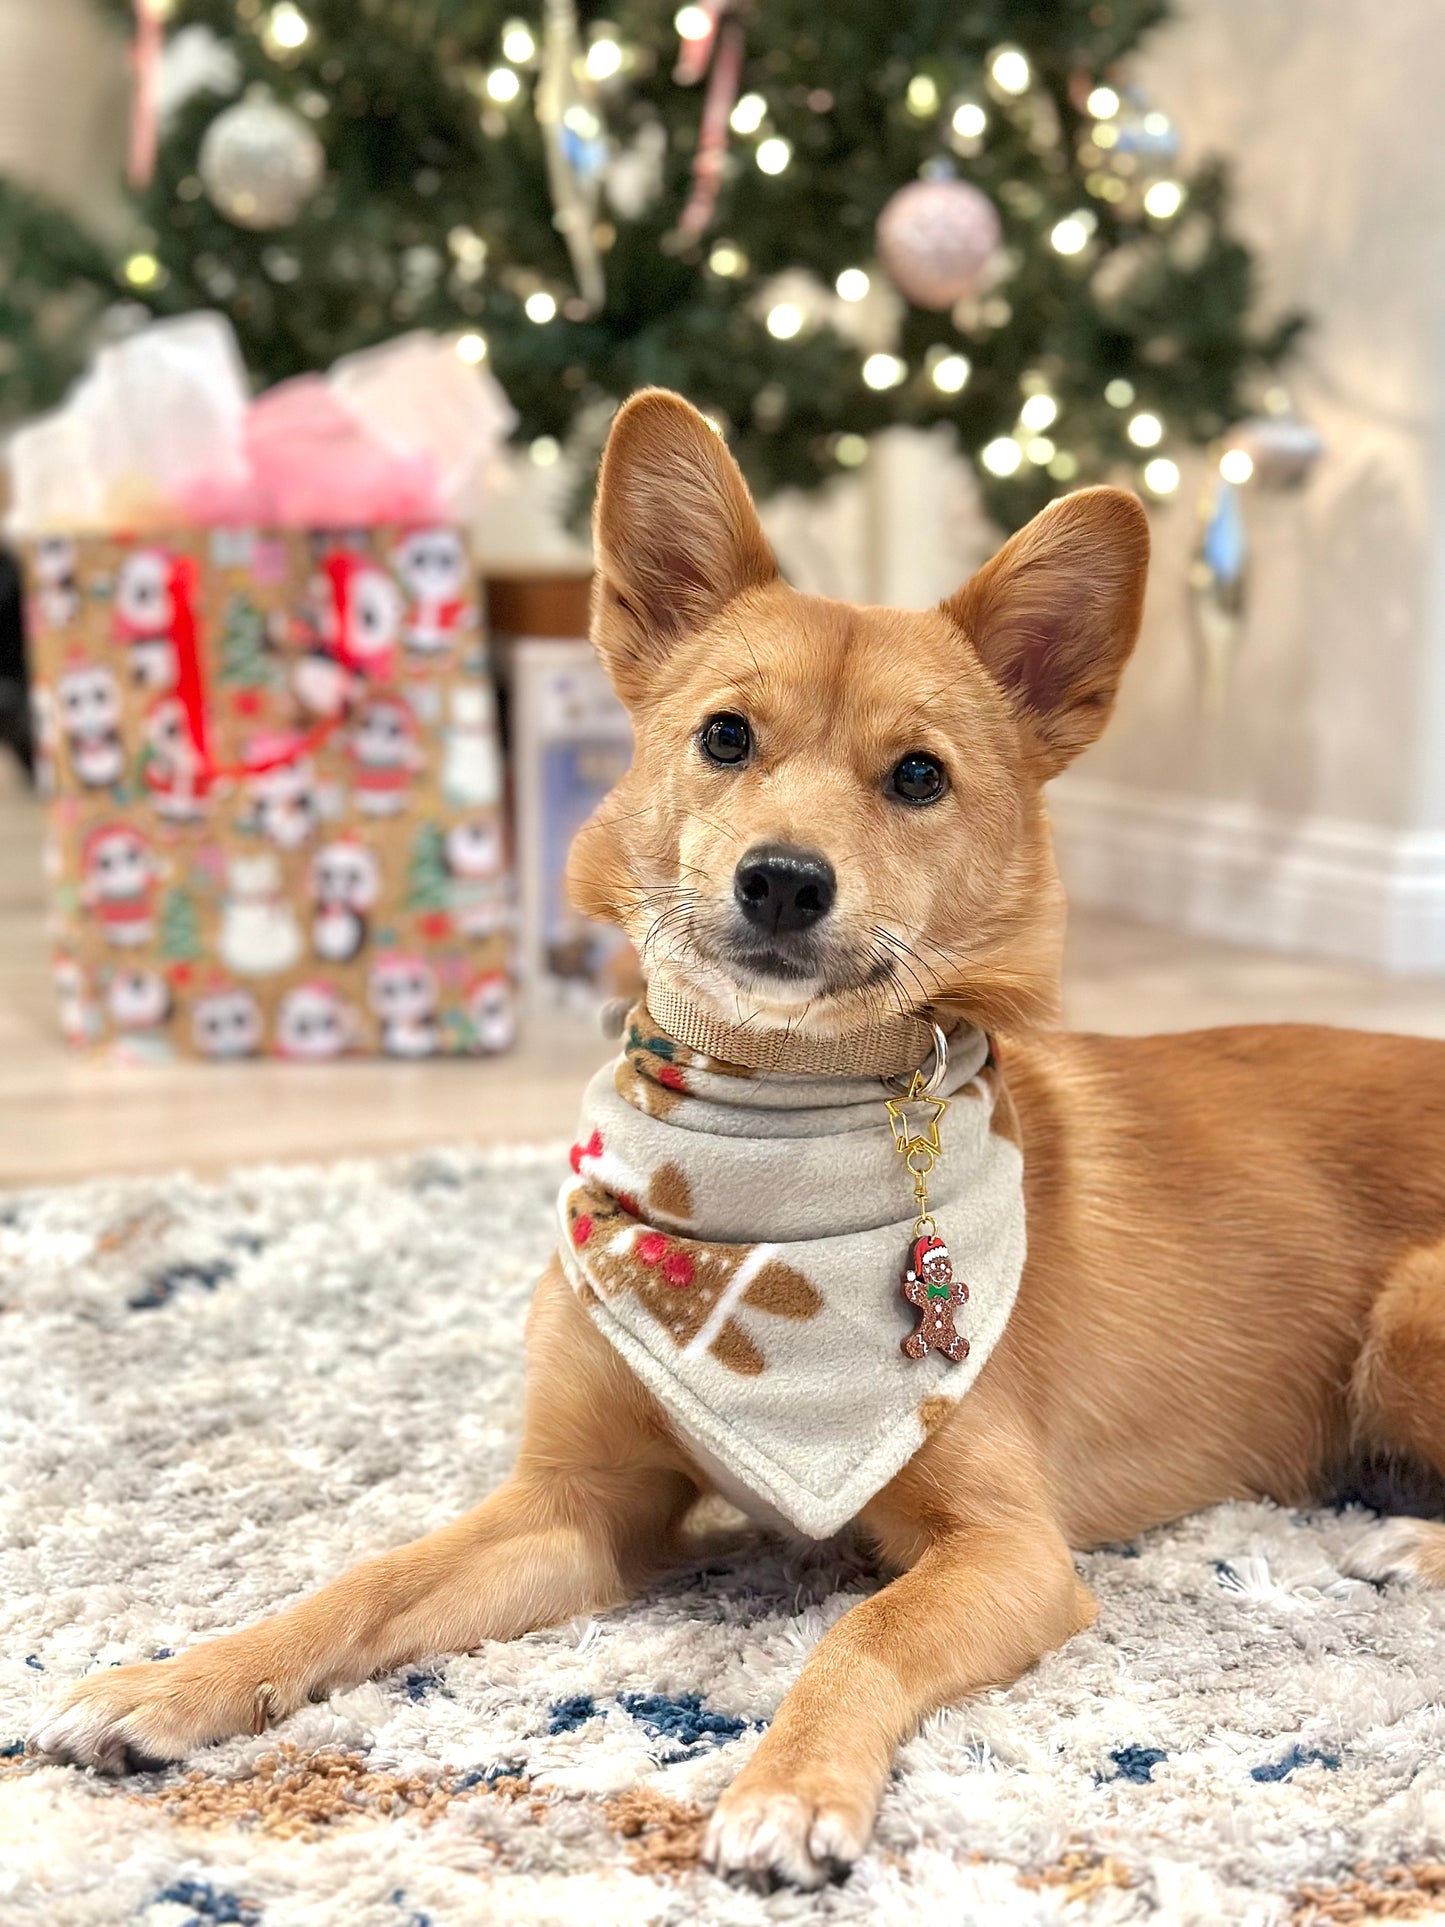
725,739
918,778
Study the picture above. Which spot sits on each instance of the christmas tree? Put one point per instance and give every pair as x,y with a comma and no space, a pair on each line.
427,882
180,927
615,192
247,659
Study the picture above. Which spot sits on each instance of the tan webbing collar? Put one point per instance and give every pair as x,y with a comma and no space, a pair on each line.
888,1049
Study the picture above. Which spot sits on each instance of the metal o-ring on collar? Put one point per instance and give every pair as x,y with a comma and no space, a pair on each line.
936,1075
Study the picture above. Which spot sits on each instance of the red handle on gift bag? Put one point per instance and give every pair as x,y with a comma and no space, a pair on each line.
340,570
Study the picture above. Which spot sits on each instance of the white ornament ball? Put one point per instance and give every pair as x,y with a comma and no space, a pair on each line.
261,163
937,239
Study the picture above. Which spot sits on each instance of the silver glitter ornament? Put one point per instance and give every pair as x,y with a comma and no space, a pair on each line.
260,163
938,239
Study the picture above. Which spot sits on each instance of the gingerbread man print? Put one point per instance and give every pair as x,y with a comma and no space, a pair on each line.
929,1284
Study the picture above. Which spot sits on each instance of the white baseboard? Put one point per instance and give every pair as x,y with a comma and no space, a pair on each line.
1247,875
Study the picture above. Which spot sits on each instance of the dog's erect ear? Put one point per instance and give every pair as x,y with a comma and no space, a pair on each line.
1056,613
675,533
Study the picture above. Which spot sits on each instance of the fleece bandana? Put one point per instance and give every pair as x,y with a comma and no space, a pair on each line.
739,1237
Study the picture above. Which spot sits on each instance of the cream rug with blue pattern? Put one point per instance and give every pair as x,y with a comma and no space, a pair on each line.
213,1398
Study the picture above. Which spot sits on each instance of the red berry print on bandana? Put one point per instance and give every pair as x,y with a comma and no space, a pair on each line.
677,1269
651,1248
581,1230
591,1149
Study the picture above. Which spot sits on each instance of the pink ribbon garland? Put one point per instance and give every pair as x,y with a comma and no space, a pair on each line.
145,60
712,139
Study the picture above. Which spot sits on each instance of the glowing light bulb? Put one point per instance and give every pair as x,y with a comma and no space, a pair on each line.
1065,466
1040,451
503,85
1104,136
1103,103
692,23
1119,393
467,246
142,270
1010,70
545,452
726,260
923,96
850,451
472,348
517,41
286,29
1164,199
1145,431
1236,465
1156,124
1003,456
1071,235
949,374
749,114
1039,412
969,120
784,321
852,284
604,59
1161,476
884,371
540,307
774,154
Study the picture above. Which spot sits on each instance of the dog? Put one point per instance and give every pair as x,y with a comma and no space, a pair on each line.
1235,1273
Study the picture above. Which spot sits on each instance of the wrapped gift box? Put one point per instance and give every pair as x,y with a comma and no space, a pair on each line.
274,787
570,741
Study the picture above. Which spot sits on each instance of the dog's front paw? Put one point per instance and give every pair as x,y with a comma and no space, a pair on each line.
800,1832
129,1719
1400,1548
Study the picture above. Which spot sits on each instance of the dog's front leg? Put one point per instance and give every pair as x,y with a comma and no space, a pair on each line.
585,1518
981,1605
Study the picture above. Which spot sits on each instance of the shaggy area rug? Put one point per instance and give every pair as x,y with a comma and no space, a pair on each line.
212,1398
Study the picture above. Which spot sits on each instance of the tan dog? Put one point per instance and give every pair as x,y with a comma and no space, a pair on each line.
1236,1269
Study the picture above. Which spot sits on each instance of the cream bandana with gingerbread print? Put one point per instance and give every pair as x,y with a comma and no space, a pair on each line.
739,1237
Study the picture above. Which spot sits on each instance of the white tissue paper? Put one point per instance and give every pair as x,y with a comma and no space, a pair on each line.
161,433
415,395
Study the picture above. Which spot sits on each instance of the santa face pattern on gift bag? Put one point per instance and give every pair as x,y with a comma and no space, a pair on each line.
335,880
90,712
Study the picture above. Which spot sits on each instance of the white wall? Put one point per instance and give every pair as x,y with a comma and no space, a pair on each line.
1312,811
63,102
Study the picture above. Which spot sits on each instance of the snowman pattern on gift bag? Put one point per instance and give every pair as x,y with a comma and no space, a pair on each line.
260,934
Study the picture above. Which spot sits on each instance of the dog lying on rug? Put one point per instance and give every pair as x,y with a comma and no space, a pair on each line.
792,1249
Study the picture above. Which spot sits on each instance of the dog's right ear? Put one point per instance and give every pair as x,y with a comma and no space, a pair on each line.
675,533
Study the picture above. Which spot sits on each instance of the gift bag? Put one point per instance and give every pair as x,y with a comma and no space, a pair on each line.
274,794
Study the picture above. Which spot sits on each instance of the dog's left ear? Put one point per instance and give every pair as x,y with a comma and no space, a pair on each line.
675,533
1055,615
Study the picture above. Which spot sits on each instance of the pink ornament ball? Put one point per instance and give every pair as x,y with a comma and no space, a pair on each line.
936,240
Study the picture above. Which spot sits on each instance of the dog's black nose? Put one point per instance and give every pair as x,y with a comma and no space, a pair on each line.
781,890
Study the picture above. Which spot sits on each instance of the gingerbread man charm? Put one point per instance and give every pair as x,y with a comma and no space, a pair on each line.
928,1283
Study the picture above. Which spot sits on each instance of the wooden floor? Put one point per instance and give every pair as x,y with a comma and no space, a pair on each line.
64,1117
